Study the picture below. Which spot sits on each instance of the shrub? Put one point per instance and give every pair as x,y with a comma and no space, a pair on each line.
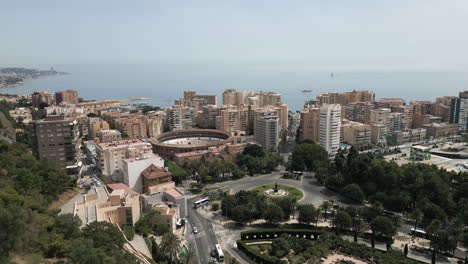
129,232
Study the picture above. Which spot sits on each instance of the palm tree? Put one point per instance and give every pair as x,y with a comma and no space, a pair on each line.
151,218
325,206
417,216
170,245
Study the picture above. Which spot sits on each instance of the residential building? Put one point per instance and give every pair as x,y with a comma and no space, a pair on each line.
68,111
133,167
41,98
380,115
390,101
180,117
379,134
357,134
21,114
233,119
330,126
359,112
310,124
110,155
109,135
57,139
254,98
436,130
156,179
406,136
66,97
345,98
459,111
267,129
95,125
207,117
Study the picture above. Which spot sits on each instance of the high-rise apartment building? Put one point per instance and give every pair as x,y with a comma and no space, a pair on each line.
459,111
345,98
57,139
267,129
310,124
38,98
330,126
66,97
180,117
259,99
359,112
207,117
233,119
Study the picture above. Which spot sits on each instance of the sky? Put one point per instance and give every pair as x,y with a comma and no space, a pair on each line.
425,35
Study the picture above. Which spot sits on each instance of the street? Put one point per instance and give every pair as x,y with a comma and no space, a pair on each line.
205,239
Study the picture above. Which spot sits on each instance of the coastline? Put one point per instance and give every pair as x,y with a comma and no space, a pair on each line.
28,78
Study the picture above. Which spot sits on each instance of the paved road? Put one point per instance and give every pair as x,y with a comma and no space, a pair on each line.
313,192
205,240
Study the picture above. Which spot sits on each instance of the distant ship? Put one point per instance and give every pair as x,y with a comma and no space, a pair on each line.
333,74
307,90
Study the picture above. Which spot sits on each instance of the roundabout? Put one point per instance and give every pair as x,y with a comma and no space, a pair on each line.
275,191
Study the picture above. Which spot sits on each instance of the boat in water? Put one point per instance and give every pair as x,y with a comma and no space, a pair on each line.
307,90
334,74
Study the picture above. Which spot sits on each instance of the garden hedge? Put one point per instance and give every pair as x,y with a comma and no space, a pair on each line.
272,233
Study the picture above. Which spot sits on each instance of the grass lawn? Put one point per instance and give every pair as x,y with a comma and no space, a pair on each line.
293,193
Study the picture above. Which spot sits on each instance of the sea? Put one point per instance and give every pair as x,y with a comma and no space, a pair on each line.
169,82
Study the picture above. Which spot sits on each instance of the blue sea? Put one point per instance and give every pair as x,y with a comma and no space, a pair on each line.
169,82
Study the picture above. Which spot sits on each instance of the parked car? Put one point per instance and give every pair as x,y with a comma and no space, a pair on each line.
195,230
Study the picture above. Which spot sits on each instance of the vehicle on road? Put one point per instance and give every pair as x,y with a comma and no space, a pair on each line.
418,232
201,202
195,230
219,253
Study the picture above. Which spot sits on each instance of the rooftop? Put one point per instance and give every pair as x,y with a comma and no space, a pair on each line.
121,186
155,172
121,142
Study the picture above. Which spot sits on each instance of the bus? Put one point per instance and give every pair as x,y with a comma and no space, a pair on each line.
201,202
219,253
418,232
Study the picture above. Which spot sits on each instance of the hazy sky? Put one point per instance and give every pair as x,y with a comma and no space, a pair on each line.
348,34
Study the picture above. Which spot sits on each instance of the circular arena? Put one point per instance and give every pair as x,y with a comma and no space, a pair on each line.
168,144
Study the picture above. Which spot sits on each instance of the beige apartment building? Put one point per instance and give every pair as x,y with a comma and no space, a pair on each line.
233,119
310,124
109,135
379,134
95,125
180,117
38,98
267,128
110,155
345,98
246,98
359,112
357,134
66,97
440,129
